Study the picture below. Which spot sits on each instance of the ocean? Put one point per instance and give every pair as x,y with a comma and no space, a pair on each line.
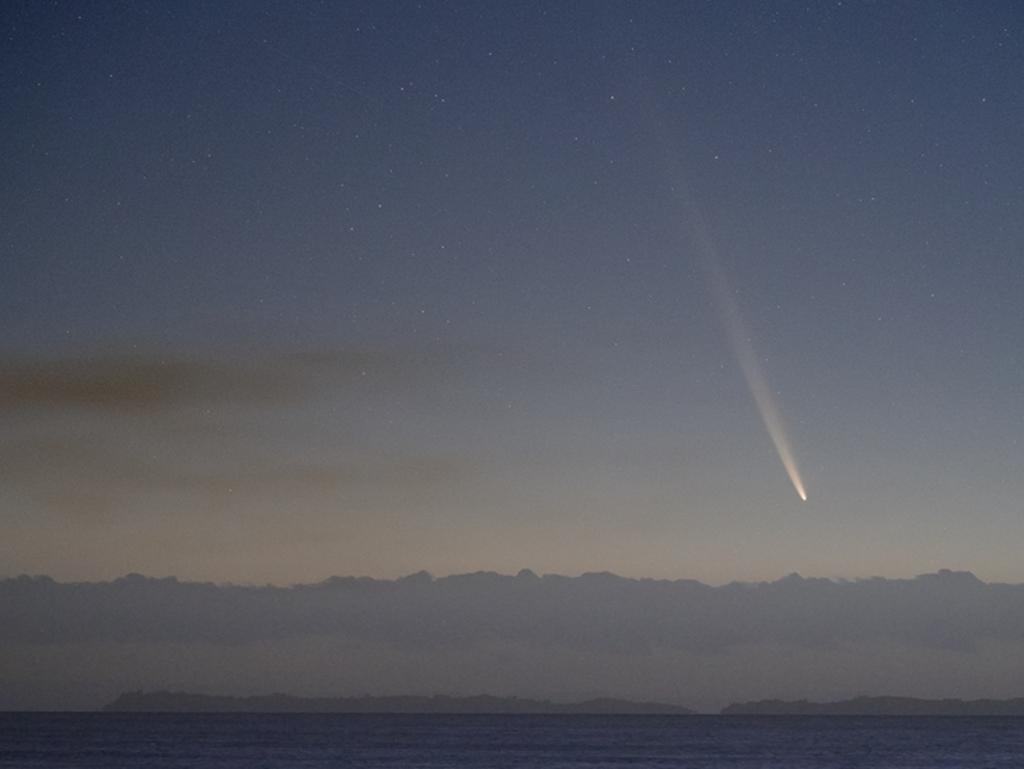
232,741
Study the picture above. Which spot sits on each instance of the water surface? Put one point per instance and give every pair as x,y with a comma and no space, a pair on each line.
233,741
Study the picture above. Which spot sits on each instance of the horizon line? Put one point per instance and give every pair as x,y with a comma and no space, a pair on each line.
425,576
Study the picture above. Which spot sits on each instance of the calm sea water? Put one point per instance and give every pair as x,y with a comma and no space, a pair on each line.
141,741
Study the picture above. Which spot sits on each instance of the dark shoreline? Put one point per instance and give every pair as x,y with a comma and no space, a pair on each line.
880,706
184,702
190,703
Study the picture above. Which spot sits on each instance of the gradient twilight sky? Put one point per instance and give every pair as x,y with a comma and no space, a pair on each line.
292,290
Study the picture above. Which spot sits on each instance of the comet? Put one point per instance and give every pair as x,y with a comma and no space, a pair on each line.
732,319
753,373
746,357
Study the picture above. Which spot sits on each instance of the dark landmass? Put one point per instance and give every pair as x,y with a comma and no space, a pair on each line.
879,706
184,702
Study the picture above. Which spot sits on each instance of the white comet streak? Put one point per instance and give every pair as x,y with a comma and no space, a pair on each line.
732,319
757,382
745,355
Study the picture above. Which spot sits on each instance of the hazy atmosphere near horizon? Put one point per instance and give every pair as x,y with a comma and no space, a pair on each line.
713,291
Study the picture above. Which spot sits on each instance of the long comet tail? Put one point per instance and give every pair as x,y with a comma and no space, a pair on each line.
759,389
732,318
753,373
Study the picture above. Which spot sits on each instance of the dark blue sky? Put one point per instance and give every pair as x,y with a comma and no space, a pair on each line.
299,289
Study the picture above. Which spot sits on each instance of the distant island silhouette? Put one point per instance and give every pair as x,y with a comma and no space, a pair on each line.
185,702
188,702
879,706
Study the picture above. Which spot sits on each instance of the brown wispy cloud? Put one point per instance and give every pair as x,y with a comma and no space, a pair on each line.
393,471
57,462
136,382
102,433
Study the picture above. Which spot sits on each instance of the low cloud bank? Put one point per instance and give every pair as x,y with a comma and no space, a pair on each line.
943,634
599,611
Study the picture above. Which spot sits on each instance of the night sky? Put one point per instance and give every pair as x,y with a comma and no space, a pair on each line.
292,290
